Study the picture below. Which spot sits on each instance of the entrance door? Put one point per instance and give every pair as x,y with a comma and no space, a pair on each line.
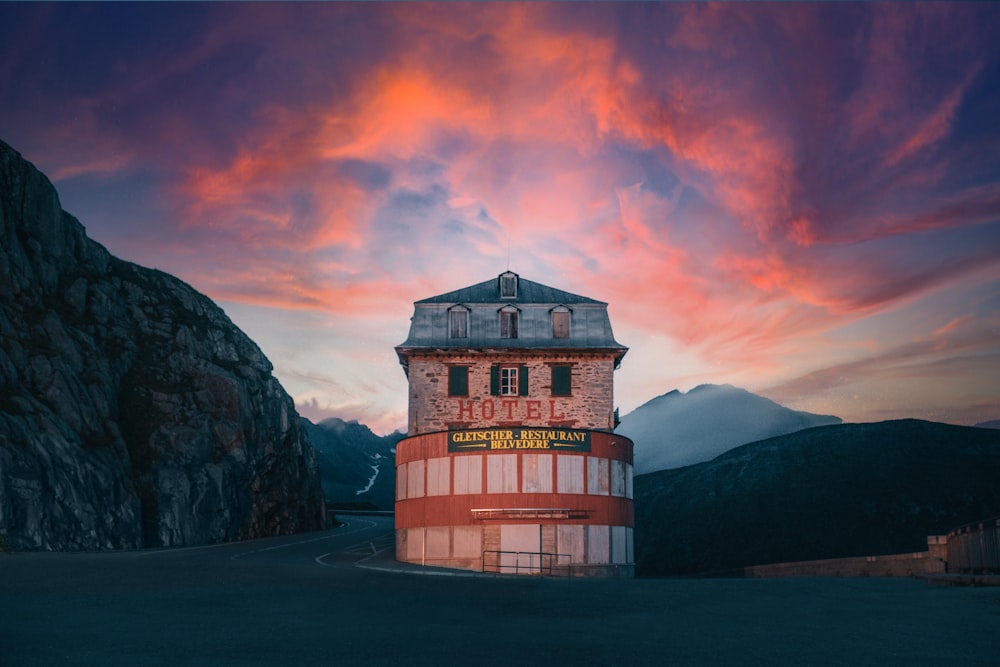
521,545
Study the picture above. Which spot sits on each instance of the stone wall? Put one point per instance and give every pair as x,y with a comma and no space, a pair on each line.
591,405
914,564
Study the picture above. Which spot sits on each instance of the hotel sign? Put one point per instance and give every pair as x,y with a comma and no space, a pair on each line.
519,438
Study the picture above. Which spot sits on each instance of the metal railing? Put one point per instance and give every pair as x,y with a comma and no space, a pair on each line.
975,548
527,562
529,513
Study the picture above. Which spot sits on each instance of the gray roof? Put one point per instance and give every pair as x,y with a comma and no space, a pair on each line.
528,291
590,327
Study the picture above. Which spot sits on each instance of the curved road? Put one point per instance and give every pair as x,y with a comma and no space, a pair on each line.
303,600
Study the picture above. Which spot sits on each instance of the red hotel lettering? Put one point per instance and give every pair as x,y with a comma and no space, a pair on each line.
463,409
488,408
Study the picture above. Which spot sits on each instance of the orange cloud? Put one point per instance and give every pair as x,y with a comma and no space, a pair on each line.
510,123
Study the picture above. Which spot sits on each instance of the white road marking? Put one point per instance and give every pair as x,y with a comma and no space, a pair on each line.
336,533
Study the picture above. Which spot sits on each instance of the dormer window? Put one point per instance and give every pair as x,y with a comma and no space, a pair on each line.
458,322
560,322
508,285
508,322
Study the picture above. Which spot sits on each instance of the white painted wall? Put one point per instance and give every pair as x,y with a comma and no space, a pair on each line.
597,476
439,477
571,540
468,474
401,482
438,543
415,479
617,478
536,473
467,541
569,472
501,473
598,545
619,545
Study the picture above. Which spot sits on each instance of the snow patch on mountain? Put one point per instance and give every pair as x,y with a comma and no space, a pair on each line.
678,429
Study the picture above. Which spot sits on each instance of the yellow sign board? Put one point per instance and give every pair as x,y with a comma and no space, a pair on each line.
519,438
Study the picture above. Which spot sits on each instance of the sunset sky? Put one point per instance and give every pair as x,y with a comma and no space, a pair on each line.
802,200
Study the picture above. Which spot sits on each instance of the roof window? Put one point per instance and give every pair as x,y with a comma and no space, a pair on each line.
508,285
458,322
508,322
560,322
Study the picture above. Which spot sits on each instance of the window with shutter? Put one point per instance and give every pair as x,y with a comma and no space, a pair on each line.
458,380
562,381
509,385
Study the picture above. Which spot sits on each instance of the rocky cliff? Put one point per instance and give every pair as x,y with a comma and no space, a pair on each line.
132,411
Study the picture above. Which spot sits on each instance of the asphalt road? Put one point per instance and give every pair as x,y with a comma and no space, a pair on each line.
301,600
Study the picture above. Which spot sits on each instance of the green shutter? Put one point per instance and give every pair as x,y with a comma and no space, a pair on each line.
523,381
494,380
562,381
458,380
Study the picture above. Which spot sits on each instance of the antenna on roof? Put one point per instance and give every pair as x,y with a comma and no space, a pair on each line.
508,251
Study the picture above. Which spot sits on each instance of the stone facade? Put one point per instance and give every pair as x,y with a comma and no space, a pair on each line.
511,464
590,404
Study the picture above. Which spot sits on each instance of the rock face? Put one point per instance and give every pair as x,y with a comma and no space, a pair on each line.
132,411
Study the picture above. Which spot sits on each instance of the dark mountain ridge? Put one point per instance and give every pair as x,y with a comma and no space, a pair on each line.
132,411
356,466
825,492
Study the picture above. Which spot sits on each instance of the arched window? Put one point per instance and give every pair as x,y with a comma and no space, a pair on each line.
560,322
508,285
458,322
508,322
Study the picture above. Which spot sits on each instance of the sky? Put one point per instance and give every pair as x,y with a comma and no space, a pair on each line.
802,200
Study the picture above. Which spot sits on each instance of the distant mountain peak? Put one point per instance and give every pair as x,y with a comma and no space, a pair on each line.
339,425
678,429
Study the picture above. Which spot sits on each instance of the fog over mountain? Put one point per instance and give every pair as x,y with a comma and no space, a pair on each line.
678,429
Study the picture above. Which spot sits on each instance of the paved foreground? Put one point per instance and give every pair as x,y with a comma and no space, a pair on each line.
301,600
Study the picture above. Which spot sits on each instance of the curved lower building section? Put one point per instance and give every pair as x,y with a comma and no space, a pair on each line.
517,500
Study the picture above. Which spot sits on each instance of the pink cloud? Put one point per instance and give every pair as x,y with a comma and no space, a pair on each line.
740,178
935,126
